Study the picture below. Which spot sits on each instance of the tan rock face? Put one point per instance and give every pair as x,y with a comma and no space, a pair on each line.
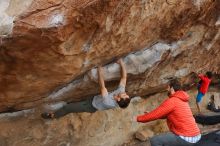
143,135
46,45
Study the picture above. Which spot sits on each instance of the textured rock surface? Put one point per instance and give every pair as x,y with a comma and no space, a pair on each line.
49,51
143,135
46,45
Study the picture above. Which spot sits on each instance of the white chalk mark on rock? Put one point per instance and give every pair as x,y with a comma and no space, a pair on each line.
16,114
55,106
57,20
6,21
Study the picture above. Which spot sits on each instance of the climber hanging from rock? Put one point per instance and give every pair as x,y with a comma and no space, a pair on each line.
180,120
203,86
106,100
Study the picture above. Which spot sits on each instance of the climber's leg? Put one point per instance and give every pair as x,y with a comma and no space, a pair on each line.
198,101
75,107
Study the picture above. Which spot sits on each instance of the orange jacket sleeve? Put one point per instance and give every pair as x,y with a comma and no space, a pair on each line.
162,111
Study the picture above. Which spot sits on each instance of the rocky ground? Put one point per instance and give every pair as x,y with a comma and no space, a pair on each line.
112,127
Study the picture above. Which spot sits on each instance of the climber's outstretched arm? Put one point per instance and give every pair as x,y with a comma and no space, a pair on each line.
102,82
123,73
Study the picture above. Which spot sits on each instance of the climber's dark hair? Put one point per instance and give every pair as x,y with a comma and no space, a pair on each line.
175,84
209,74
124,102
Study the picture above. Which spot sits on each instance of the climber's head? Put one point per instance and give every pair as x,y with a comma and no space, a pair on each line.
123,100
209,74
173,86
